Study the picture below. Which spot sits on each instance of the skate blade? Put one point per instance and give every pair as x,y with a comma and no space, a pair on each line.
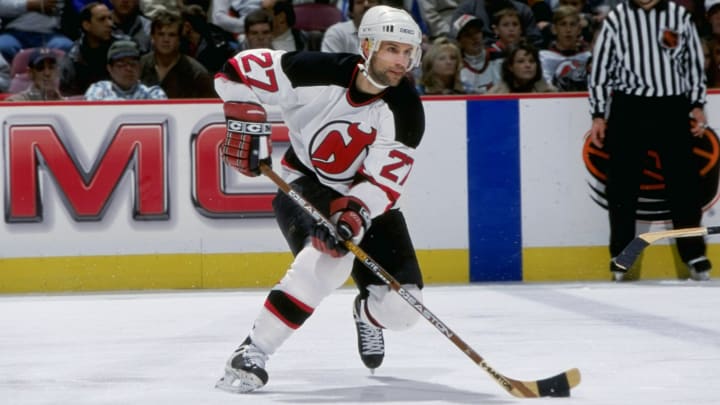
239,383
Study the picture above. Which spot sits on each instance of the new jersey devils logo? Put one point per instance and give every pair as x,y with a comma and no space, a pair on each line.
338,149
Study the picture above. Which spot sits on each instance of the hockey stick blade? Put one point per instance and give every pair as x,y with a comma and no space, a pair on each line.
555,386
632,251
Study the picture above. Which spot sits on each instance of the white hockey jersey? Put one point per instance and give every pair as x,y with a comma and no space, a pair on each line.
480,73
360,145
566,70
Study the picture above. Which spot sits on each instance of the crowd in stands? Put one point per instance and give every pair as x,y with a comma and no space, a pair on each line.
156,49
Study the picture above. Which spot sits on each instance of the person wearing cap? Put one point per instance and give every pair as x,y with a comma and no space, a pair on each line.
43,72
478,72
123,65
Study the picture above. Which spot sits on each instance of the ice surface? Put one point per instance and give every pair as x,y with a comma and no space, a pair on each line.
635,343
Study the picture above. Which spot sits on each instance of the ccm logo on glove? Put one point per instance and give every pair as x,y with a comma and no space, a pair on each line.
250,128
247,143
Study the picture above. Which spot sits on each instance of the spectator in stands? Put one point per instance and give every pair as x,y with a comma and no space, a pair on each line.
343,36
441,69
204,41
129,22
566,62
286,37
508,30
521,72
587,18
31,24
70,21
478,72
484,9
85,62
180,76
43,72
4,75
124,67
438,14
230,14
258,30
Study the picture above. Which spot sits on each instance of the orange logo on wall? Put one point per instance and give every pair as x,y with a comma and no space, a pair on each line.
652,200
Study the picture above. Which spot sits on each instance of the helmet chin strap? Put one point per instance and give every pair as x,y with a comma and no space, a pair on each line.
369,48
367,75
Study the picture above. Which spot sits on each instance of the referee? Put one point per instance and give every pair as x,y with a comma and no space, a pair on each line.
647,80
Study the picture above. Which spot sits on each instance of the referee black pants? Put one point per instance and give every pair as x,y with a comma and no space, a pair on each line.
635,125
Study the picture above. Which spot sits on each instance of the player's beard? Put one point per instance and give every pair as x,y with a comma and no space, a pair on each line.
382,77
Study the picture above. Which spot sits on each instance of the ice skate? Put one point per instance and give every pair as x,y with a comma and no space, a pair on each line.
700,268
371,345
245,370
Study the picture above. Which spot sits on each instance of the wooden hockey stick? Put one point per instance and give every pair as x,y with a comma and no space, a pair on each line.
632,251
555,386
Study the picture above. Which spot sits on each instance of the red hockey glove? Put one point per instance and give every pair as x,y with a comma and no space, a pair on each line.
248,137
351,219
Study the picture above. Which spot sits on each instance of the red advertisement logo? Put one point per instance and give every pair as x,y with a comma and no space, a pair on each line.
43,148
136,148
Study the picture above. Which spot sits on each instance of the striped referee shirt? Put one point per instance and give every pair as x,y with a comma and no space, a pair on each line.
651,53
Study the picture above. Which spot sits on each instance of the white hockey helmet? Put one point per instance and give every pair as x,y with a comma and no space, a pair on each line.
384,23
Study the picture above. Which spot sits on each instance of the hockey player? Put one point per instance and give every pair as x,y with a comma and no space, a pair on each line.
354,121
